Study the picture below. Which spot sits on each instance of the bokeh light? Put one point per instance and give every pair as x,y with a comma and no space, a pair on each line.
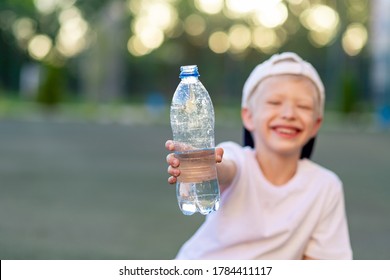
136,47
265,39
158,13
354,39
263,25
239,38
271,13
69,14
151,37
260,24
296,2
219,42
49,6
46,6
322,22
24,28
71,38
153,20
241,7
320,18
209,6
162,14
39,46
194,25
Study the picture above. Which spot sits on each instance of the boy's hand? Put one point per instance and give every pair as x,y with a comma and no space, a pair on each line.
174,163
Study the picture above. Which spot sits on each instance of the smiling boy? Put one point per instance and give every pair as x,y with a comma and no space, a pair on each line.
274,205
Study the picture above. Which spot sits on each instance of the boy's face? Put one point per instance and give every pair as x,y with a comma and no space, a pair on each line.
283,114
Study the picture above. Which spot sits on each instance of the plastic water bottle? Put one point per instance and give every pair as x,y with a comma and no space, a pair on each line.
192,122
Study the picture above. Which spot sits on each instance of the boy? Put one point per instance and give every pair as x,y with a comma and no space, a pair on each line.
274,205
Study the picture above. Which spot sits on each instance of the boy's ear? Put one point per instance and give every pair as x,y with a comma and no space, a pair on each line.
247,119
317,126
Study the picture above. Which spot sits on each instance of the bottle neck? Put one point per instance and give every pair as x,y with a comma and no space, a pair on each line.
189,71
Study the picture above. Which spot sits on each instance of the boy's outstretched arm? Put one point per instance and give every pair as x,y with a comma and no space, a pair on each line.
226,169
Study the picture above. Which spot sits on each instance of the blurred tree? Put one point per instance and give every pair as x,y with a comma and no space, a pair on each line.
103,66
114,47
349,94
51,91
11,57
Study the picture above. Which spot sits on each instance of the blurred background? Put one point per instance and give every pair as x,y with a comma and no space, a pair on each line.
85,88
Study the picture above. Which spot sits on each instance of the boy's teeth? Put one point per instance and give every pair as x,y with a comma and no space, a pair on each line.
286,130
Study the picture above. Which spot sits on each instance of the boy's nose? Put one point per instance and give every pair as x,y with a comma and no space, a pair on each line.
288,111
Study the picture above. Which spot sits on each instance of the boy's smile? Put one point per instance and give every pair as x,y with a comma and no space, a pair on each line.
286,131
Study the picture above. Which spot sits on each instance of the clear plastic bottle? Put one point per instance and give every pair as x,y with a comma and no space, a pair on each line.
192,122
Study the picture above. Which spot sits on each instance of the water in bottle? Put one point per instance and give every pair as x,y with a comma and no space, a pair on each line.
192,122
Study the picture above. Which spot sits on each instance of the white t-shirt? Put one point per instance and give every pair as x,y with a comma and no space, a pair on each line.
257,220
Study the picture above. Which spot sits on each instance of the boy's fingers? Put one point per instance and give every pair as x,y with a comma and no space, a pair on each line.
169,145
169,158
172,180
172,160
173,171
218,154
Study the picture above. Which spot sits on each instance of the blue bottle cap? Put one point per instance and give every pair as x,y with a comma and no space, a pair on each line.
189,70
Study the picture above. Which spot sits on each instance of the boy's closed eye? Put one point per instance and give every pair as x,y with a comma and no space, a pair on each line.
305,106
273,102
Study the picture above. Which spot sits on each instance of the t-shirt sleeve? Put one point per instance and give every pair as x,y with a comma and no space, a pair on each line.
234,152
330,239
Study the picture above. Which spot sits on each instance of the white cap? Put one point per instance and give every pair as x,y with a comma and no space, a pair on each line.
280,64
